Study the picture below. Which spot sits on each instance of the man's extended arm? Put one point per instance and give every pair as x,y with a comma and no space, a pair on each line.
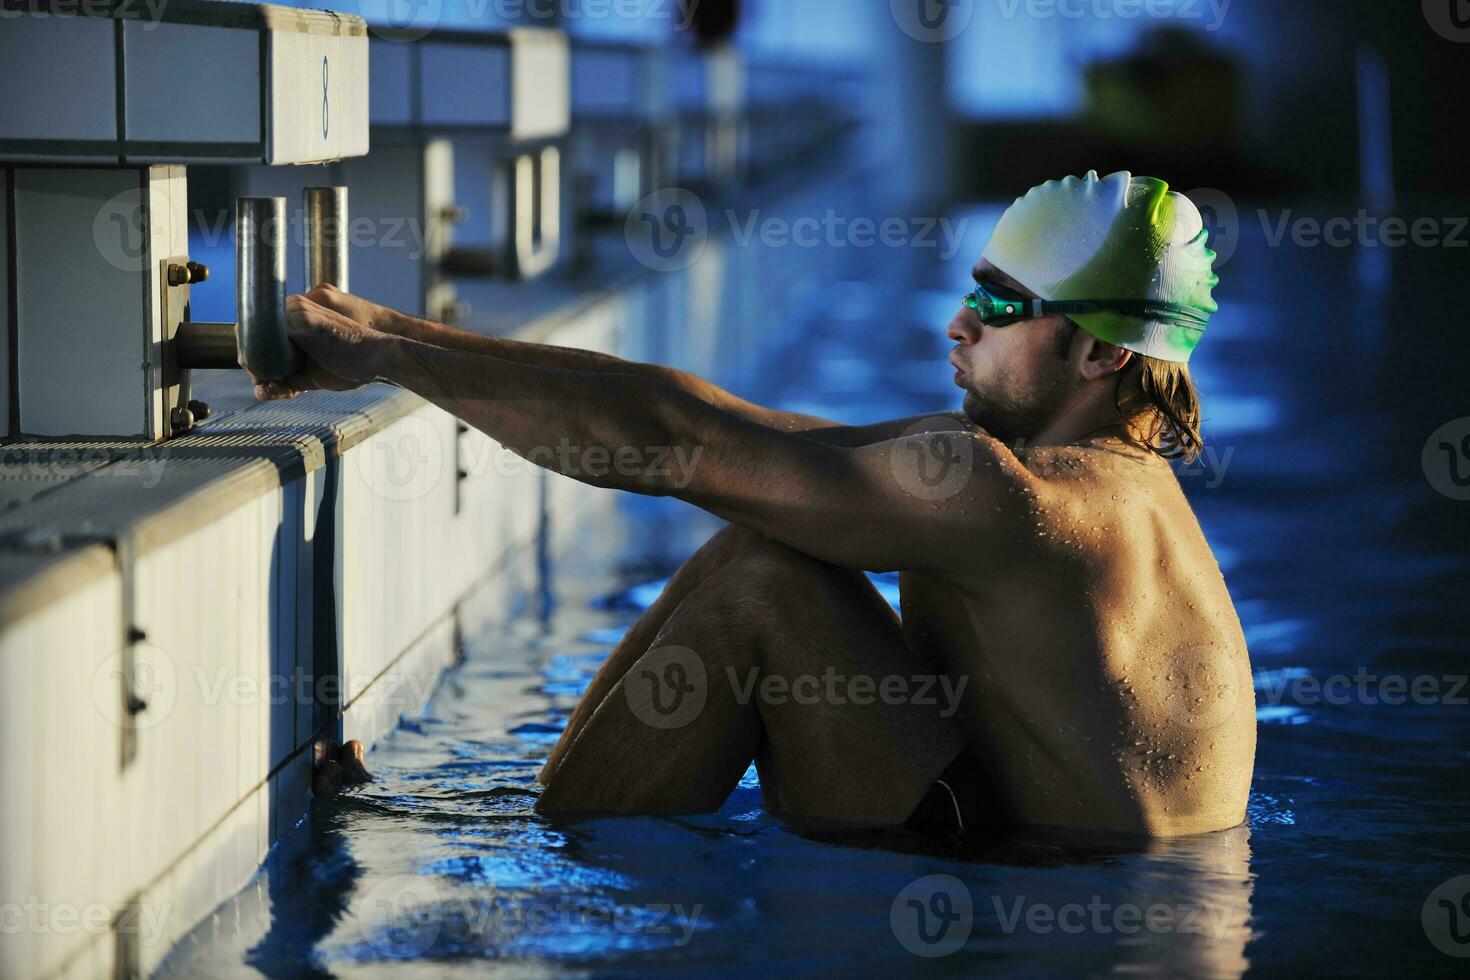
857,507
574,359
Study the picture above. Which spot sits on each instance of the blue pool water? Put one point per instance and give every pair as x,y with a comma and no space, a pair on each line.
1323,380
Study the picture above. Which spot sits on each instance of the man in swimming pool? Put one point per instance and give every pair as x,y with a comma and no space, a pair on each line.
1054,579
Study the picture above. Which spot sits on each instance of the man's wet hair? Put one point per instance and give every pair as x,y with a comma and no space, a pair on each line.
1163,402
1167,396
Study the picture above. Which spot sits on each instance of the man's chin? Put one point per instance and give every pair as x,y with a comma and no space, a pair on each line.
1006,423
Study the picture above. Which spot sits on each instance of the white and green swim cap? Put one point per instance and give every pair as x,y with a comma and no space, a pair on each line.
1118,237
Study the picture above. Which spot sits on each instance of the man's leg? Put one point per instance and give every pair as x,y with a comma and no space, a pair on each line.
722,546
783,658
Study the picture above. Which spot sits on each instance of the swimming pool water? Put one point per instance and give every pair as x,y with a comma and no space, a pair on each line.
1349,570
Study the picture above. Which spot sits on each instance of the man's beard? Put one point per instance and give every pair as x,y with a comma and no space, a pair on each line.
1009,419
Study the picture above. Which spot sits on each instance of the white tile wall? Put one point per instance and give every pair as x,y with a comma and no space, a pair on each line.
5,287
81,340
67,70
165,66
59,767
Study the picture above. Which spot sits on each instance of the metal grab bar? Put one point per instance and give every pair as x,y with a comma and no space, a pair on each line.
258,339
260,297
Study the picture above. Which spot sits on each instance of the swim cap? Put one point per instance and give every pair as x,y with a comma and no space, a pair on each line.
1118,237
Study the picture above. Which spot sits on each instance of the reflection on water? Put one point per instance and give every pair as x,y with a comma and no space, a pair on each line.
1348,570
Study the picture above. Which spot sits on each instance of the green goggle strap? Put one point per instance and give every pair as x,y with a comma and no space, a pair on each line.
996,311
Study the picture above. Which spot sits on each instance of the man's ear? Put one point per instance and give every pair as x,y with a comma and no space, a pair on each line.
1100,358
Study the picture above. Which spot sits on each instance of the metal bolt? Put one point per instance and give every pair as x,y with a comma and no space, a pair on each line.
189,272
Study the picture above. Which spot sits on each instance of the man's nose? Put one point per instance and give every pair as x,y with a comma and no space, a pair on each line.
964,328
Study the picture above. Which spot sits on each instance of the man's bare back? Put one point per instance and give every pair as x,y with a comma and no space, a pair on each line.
1108,683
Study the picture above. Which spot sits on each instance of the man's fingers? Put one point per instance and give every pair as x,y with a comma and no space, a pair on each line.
274,391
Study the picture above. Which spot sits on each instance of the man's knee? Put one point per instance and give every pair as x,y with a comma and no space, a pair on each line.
773,573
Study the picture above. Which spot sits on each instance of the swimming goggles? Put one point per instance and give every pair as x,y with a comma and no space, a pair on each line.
1002,311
